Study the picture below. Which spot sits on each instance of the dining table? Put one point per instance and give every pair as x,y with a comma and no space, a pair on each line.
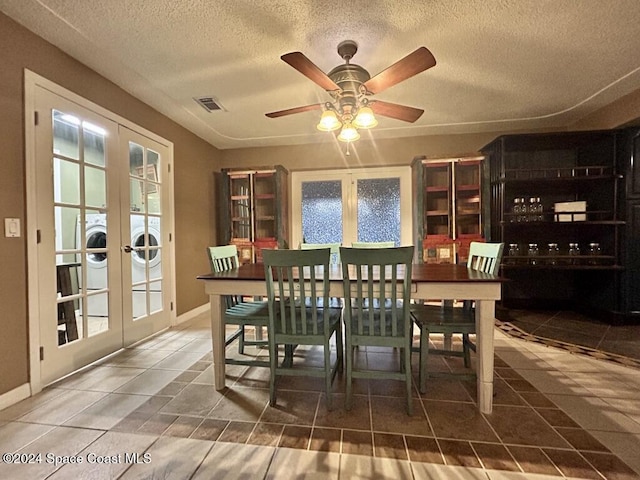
428,282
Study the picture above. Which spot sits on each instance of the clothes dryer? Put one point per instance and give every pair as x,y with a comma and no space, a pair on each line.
96,262
138,265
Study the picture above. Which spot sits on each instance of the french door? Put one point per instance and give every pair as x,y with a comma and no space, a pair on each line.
344,206
102,234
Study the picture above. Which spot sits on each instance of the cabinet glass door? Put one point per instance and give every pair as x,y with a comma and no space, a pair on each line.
240,186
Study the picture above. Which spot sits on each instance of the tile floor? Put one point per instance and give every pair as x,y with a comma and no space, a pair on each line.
152,412
578,330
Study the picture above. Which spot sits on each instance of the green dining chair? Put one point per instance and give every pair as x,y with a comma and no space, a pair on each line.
378,276
293,276
240,312
334,247
373,244
334,260
448,320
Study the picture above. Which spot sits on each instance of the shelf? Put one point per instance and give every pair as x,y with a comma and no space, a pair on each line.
266,218
461,188
437,189
562,267
560,174
434,213
265,196
542,223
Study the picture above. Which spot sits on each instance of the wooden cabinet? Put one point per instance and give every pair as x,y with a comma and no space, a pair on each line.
565,248
253,212
449,208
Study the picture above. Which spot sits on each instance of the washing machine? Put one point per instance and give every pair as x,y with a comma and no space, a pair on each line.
96,262
138,260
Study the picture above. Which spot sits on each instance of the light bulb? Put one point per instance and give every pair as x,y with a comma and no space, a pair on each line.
365,118
348,133
328,121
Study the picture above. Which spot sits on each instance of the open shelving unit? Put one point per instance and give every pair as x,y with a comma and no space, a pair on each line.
568,169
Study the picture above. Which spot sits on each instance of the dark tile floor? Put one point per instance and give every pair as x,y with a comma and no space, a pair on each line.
576,329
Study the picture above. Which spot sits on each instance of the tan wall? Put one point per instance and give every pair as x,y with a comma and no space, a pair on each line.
331,155
194,162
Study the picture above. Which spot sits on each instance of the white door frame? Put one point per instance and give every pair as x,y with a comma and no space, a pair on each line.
31,82
402,172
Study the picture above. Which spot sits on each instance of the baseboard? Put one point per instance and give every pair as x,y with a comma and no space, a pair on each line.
15,395
192,314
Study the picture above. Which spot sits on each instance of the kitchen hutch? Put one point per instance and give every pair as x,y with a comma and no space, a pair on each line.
253,210
564,205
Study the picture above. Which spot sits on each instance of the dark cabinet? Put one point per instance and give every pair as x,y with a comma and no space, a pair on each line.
561,204
253,210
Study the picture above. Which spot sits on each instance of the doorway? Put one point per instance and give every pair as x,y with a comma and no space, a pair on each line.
99,245
345,206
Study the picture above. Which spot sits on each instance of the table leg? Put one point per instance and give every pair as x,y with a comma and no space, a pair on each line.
485,315
218,339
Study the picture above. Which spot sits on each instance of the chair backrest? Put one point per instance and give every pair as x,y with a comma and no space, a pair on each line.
334,247
223,258
379,278
293,277
485,257
373,244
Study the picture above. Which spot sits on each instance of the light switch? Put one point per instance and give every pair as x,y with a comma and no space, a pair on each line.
11,227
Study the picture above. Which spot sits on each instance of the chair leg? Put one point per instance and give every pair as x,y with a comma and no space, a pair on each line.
349,359
407,361
241,340
328,377
465,349
273,361
339,349
424,353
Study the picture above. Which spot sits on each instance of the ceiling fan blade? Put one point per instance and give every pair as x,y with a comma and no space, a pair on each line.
393,110
291,111
306,67
414,63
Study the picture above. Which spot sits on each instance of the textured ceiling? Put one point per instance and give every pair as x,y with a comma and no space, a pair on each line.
501,64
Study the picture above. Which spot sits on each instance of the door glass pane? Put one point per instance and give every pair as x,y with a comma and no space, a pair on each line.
66,221
93,144
379,210
322,212
97,313
95,187
66,137
66,181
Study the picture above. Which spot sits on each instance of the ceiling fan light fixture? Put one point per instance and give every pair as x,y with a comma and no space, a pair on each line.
365,118
328,121
348,133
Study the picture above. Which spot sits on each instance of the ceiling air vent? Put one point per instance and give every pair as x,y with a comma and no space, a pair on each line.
210,104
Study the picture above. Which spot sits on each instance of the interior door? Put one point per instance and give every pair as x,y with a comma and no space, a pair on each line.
102,256
145,236
340,206
77,185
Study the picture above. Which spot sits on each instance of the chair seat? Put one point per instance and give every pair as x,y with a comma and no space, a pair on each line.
256,313
444,320
335,315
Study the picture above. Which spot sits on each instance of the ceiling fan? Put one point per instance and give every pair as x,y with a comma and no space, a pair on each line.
350,87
